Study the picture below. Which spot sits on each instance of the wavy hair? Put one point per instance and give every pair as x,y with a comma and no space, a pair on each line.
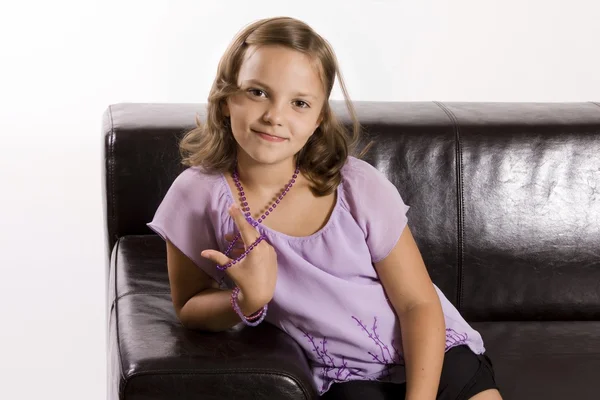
212,145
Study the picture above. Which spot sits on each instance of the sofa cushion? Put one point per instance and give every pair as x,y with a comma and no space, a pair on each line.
550,360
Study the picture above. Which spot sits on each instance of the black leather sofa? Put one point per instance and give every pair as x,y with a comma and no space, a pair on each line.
505,207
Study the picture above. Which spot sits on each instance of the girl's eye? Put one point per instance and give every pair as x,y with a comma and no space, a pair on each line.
256,92
301,104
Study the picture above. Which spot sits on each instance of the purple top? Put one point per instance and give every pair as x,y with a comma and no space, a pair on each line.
328,296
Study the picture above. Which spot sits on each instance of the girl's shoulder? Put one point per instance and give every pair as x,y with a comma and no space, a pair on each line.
198,174
366,191
354,165
197,186
375,205
361,178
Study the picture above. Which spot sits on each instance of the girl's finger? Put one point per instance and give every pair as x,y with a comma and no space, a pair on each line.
249,232
216,257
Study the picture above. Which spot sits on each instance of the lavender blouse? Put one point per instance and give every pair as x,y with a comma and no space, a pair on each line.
328,296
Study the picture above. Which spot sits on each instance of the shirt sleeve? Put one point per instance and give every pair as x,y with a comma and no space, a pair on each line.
377,207
187,217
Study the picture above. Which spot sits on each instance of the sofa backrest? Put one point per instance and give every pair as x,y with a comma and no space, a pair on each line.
505,197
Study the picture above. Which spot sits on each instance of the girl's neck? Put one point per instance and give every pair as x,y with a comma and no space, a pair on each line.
264,177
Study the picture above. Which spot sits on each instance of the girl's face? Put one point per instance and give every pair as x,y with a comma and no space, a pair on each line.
279,105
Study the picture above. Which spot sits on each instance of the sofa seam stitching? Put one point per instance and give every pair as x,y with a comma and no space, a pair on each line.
460,205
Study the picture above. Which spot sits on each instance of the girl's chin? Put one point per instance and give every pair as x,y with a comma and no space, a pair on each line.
269,158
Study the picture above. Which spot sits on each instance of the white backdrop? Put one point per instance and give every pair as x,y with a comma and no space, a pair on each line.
63,62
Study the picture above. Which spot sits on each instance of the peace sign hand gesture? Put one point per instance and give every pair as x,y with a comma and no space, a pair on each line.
255,272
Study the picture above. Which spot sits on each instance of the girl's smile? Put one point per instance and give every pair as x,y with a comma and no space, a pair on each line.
268,137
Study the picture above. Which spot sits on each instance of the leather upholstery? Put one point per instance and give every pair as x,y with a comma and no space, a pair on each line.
505,208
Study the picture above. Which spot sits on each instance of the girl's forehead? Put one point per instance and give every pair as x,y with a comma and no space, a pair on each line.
281,66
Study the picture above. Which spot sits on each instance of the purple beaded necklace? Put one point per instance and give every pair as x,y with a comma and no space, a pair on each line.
248,214
256,318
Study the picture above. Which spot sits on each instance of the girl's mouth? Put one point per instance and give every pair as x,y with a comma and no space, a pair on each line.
268,137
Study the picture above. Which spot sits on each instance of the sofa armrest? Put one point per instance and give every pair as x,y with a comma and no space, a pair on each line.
152,356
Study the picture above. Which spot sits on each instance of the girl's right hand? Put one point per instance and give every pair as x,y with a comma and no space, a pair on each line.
255,274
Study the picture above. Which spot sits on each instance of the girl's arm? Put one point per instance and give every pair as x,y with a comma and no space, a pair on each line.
198,302
411,292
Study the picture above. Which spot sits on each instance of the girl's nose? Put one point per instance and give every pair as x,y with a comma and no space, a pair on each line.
274,115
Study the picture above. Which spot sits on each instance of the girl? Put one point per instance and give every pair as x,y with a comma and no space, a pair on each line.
275,220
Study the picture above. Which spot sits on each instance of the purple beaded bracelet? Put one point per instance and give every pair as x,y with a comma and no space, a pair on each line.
252,320
244,254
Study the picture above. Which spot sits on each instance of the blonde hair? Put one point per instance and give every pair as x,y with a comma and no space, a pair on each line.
212,145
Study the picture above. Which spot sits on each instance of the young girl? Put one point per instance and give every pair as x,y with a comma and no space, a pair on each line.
276,221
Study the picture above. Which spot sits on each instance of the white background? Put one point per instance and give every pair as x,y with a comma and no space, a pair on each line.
63,62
